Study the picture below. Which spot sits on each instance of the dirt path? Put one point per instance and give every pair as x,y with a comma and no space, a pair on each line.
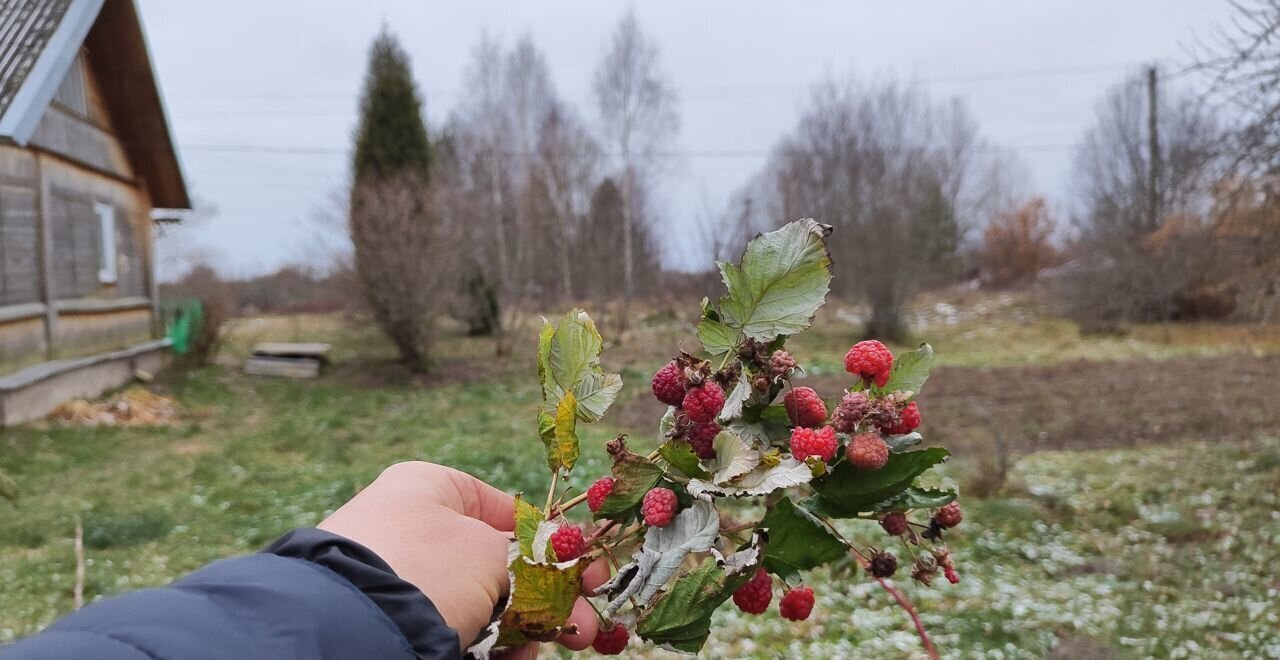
1082,405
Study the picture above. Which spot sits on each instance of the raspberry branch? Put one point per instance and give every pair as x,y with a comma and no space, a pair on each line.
743,432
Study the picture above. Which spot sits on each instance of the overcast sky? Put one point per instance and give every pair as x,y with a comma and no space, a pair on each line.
245,78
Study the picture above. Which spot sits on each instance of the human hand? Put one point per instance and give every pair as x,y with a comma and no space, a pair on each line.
447,533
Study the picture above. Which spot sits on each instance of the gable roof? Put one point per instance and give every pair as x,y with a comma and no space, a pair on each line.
39,41
26,26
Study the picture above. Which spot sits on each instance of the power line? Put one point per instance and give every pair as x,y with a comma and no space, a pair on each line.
720,88
671,153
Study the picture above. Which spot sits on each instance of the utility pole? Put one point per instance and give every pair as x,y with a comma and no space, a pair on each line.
1153,172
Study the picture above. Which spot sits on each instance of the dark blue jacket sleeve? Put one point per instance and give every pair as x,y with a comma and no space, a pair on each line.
312,595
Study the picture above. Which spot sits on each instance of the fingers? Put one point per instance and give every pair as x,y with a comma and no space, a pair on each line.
595,575
585,618
483,502
428,483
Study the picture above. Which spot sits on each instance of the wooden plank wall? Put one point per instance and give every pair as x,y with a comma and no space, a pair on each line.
86,333
82,326
19,229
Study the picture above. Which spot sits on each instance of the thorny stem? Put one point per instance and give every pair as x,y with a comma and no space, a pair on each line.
626,534
601,531
738,528
551,494
908,547
893,591
915,618
575,501
580,497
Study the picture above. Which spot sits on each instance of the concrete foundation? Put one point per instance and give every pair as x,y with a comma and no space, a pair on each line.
34,392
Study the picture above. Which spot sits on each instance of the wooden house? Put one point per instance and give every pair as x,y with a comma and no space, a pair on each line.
86,158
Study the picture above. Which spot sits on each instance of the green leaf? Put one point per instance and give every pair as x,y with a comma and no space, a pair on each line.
783,280
797,540
847,491
910,371
595,393
559,434
680,618
575,349
680,456
916,498
716,337
775,414
542,597
550,391
631,480
527,518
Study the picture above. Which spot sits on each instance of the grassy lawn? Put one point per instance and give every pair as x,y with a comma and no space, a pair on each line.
1165,551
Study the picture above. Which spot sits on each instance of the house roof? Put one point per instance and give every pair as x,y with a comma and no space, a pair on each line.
26,26
39,41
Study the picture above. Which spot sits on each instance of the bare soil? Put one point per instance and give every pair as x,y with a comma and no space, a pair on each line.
1078,405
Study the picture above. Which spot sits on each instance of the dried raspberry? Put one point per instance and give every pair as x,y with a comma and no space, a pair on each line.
568,543
796,604
805,407
702,438
949,516
813,442
704,402
852,409
754,596
781,364
867,451
659,507
948,567
669,384
924,571
869,360
908,421
883,564
611,641
598,491
894,524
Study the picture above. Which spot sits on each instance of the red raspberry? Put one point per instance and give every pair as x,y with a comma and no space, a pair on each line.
796,604
659,507
869,360
702,438
949,516
868,451
908,421
568,543
852,409
883,564
703,403
754,596
598,491
611,641
805,407
894,524
813,442
781,364
669,384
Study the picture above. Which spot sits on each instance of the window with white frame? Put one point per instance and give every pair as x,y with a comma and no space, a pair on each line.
106,243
